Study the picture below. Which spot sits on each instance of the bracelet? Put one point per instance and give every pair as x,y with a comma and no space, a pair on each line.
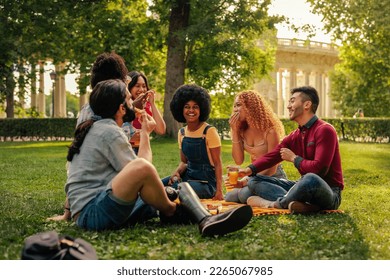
236,142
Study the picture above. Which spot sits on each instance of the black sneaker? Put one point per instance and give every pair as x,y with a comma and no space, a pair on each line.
179,217
226,222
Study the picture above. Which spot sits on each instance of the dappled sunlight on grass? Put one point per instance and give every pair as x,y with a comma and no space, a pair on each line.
286,220
27,145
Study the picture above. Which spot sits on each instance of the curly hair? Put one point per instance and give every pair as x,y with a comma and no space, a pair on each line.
108,66
186,93
259,113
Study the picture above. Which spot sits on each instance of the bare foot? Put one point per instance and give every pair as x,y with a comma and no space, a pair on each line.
63,217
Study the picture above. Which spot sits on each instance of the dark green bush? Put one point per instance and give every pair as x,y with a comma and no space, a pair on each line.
366,130
362,130
37,129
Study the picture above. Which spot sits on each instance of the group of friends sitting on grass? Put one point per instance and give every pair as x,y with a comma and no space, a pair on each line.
112,183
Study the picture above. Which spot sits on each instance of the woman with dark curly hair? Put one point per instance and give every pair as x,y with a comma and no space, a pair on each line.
256,130
108,65
199,143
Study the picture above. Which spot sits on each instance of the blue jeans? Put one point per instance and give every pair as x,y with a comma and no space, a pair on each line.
203,190
107,212
238,195
242,195
141,213
270,188
310,188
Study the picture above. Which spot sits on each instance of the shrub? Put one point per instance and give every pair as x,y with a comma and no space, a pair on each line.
37,129
360,130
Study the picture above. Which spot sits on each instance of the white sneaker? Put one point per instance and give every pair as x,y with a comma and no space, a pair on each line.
258,201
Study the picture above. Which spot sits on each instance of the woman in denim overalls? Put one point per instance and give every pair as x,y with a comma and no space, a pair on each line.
200,145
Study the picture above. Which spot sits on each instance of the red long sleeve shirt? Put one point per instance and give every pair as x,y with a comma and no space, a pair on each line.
317,148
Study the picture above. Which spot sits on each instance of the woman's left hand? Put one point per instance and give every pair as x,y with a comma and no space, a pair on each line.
151,95
234,121
218,195
140,101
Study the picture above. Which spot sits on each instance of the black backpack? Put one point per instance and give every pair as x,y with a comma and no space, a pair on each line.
50,246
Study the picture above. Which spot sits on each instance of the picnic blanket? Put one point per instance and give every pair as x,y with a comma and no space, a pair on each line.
257,211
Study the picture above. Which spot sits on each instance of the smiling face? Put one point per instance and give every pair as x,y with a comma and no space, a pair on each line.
296,106
191,112
139,88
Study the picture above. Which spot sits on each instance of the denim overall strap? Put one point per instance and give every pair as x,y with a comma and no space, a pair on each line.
195,149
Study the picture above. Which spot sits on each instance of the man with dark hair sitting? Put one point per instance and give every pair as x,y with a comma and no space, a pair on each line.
313,148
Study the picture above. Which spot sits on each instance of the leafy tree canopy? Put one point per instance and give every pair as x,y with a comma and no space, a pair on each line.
362,79
221,40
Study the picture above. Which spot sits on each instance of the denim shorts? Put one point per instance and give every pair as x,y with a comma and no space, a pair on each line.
105,212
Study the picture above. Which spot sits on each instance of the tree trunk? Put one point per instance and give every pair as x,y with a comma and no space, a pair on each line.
175,66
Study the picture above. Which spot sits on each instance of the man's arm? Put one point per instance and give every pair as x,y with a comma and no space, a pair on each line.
148,124
266,161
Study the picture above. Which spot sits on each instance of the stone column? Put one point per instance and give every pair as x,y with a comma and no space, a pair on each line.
63,112
332,112
280,99
325,102
41,94
286,92
34,102
57,102
293,78
306,73
60,93
318,86
270,90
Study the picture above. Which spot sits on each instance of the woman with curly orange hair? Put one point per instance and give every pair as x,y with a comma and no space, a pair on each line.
256,130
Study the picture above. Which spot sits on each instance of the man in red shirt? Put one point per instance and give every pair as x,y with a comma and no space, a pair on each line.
313,148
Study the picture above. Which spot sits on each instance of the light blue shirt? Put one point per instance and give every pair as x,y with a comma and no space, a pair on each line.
103,154
86,113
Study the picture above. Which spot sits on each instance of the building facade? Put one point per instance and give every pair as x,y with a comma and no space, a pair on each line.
299,63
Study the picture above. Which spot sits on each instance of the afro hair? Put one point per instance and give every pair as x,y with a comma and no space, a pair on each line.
186,93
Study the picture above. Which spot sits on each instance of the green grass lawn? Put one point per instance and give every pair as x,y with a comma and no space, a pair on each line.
31,189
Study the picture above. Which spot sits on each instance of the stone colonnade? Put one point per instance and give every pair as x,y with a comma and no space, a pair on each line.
58,98
300,63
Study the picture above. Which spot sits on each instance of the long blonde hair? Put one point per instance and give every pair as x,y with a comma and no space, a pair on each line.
259,113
